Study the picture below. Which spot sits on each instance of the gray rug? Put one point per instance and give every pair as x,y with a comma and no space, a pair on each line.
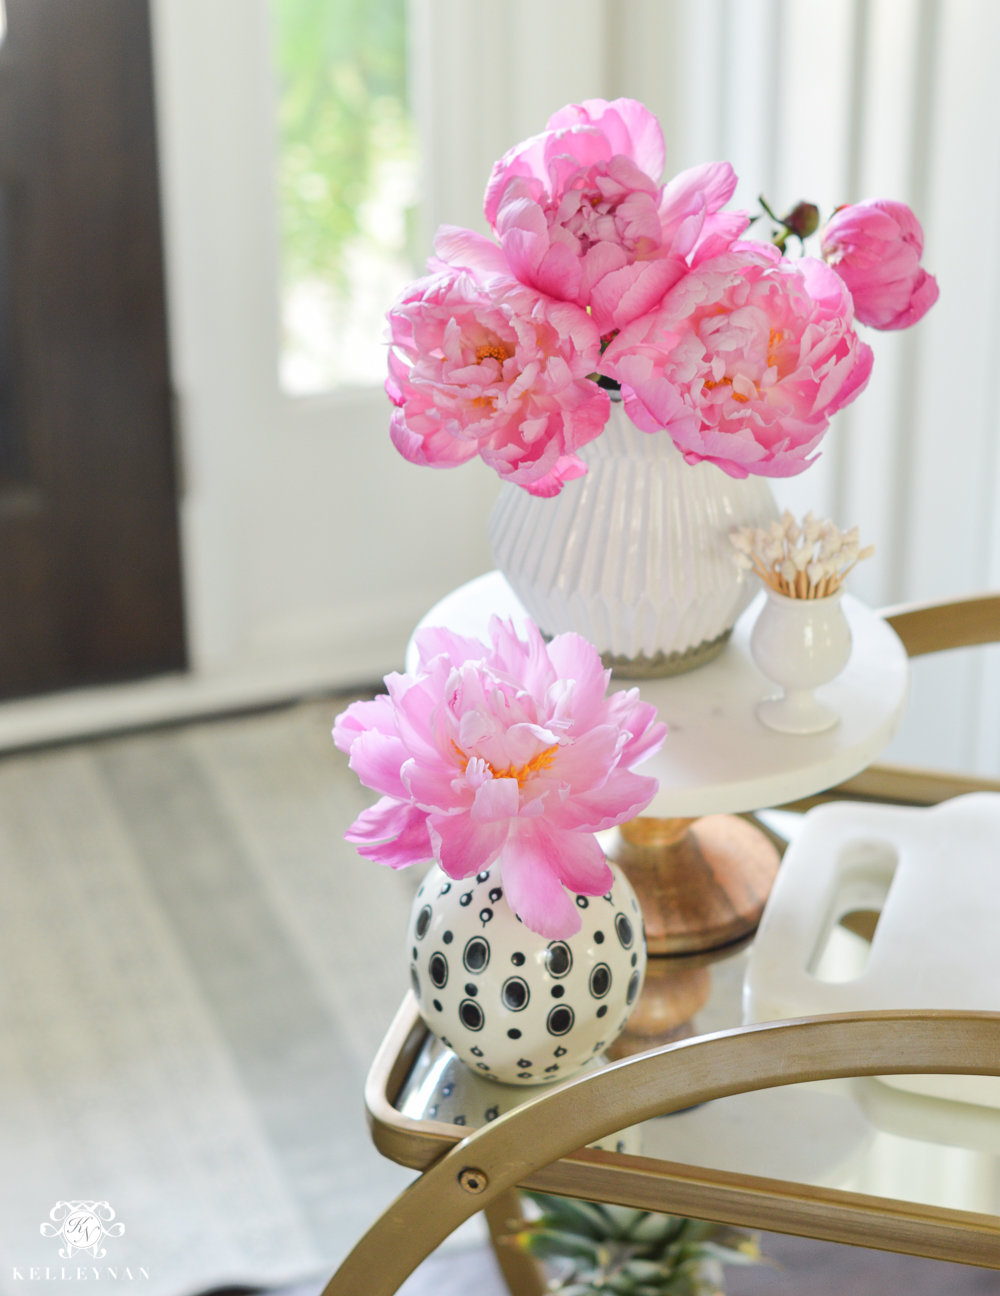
195,972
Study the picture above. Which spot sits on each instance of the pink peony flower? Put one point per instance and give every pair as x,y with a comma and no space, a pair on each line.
744,362
875,247
505,752
482,364
582,216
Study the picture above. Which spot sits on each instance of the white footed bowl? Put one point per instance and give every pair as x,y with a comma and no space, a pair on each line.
800,644
513,1005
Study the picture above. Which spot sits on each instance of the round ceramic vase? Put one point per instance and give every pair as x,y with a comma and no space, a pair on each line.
635,556
800,644
515,1006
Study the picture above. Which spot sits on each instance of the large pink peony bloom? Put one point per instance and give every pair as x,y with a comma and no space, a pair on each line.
582,216
482,364
744,362
875,247
507,752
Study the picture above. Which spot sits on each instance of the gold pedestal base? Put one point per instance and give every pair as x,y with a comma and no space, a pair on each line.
702,885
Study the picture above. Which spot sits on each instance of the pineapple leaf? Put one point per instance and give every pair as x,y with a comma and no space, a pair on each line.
620,1251
622,1220
549,1244
574,1216
656,1228
730,1255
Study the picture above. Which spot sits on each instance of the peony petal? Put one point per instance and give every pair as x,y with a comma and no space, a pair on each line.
629,126
558,273
567,468
718,234
711,184
433,788
377,758
360,717
496,801
463,847
470,251
624,295
432,641
405,827
580,862
624,796
532,885
578,662
925,294
587,761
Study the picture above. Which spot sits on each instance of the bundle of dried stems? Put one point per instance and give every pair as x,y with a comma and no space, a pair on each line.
806,560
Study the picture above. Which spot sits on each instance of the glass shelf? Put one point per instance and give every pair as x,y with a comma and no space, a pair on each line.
857,1135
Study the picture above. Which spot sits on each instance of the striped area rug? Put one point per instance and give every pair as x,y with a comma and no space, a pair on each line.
195,972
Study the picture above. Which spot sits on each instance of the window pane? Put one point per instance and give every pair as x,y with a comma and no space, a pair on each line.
347,186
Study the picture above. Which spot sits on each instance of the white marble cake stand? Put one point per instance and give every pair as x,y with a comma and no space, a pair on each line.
718,758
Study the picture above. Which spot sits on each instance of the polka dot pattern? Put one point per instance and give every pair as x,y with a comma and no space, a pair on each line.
515,1006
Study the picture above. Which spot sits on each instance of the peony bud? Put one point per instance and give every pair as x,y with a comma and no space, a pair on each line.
802,220
875,247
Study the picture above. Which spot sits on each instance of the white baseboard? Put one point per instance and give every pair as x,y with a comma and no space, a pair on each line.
92,712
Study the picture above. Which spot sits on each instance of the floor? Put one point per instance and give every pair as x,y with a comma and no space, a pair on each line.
794,1267
195,972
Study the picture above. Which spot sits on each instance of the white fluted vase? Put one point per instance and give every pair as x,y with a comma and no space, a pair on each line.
634,556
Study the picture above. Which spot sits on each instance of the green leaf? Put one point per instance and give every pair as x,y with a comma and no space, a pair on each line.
729,1255
644,1269
547,1244
656,1228
623,1219
573,1216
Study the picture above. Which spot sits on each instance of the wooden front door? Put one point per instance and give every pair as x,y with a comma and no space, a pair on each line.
89,559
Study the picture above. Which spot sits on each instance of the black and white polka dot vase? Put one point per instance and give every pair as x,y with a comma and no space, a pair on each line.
513,1005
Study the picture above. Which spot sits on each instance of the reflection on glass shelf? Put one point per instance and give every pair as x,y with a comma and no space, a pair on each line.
814,1133
442,1088
863,1135
347,186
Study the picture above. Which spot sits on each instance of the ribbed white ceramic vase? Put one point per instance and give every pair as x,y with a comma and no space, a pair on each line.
634,556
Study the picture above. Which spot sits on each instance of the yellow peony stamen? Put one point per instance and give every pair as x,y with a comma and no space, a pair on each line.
543,761
728,382
491,350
